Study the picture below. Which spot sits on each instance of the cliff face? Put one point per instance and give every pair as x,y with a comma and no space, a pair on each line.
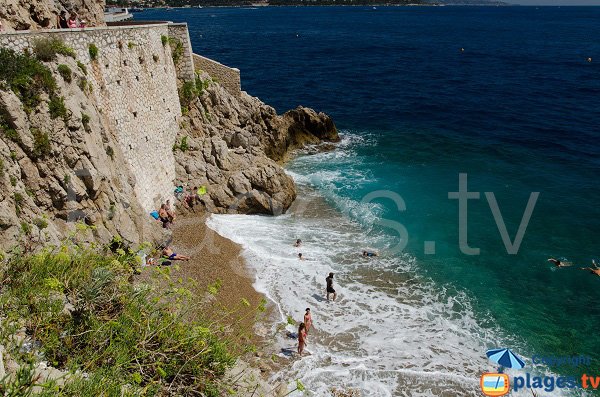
236,145
60,164
41,14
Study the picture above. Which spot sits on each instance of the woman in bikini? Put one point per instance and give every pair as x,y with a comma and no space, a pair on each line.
301,338
307,320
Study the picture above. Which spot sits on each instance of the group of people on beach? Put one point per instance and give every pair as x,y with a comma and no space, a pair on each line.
595,269
330,293
166,215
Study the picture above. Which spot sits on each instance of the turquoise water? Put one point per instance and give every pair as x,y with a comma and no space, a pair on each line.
517,111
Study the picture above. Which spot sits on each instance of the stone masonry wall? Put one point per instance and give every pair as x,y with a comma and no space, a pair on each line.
185,67
228,77
134,87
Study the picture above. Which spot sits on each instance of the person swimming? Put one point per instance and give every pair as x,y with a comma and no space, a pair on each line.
594,270
559,263
298,243
300,256
369,254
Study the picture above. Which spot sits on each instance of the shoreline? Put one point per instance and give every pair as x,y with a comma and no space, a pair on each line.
214,257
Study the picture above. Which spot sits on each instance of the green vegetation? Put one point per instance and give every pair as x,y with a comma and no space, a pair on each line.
47,49
9,132
110,152
67,179
93,50
82,67
183,145
85,120
164,40
176,49
130,45
131,339
65,72
57,108
41,143
19,199
1,168
13,181
82,84
190,90
27,77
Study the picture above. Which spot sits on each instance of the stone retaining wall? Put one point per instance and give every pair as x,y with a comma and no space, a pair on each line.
228,77
134,86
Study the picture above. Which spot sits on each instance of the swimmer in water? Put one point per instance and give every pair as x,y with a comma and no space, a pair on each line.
594,270
558,263
369,254
298,243
300,256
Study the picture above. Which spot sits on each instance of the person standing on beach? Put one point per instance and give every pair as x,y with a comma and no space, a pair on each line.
307,320
330,289
301,338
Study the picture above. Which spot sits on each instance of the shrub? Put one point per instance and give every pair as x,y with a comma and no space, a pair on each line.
82,67
18,197
110,152
130,45
85,120
164,39
46,49
57,108
137,338
93,50
1,168
82,84
13,181
187,93
65,72
176,49
41,143
26,76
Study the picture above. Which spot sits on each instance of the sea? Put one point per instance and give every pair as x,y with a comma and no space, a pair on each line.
502,100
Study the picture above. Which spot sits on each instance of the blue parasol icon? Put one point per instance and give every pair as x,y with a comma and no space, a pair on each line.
505,358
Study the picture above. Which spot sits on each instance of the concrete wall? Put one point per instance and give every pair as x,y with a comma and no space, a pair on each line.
134,85
228,77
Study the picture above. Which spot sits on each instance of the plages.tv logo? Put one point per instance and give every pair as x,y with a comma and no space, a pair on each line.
498,384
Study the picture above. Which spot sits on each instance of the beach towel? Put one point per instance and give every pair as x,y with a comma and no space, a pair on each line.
154,214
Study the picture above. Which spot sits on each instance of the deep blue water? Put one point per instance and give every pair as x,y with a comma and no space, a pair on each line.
518,111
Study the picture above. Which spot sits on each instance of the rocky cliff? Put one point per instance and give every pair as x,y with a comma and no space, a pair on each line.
61,160
235,146
41,14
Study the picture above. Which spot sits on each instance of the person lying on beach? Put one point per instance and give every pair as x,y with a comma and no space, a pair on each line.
558,263
369,254
307,320
298,243
301,338
172,255
330,290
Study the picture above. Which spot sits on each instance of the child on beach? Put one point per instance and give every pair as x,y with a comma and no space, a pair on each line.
307,320
301,338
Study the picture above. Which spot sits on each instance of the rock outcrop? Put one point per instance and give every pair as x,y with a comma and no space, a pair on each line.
55,170
41,14
236,146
